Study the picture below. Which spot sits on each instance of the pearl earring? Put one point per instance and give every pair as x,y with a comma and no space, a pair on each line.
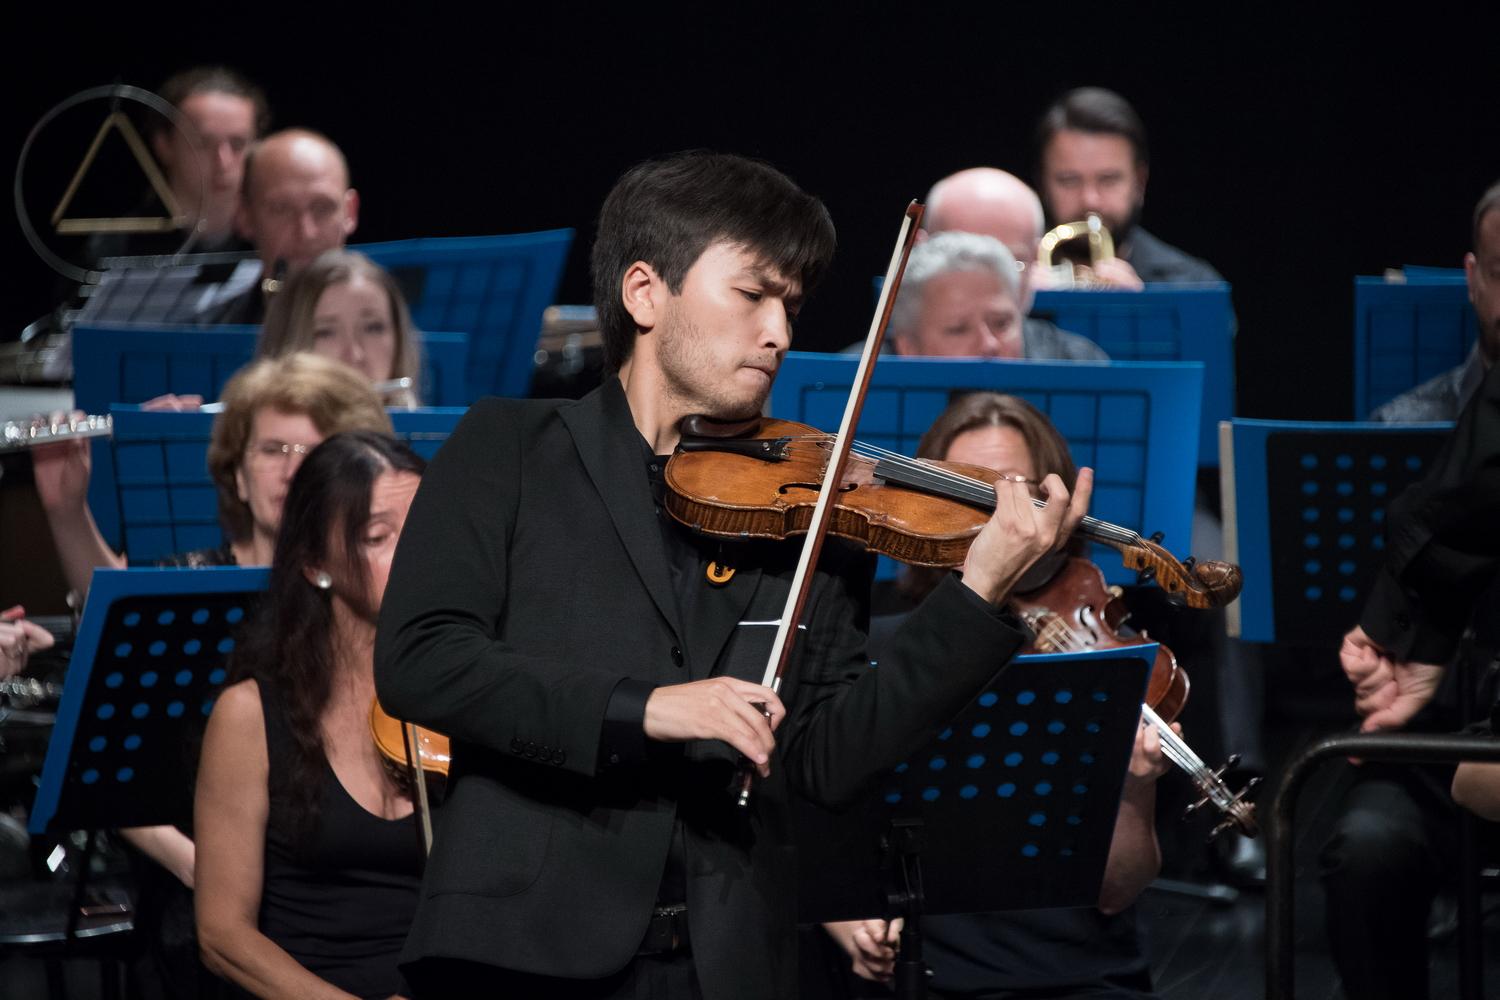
324,580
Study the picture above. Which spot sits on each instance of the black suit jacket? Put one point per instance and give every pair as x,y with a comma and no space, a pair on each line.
1442,544
530,580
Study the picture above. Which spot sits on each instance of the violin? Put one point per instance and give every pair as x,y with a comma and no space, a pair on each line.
421,751
1074,612
760,479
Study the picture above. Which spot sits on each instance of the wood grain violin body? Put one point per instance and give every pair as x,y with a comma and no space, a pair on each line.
761,480
1076,612
769,492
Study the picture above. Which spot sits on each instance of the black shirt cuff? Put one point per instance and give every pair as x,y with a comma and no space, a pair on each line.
623,739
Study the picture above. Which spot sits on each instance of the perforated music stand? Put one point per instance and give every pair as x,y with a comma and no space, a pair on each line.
1304,517
1015,799
147,664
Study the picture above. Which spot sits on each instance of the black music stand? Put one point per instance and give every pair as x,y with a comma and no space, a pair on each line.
148,662
1012,807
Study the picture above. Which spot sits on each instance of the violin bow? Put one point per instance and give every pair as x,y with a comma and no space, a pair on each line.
843,442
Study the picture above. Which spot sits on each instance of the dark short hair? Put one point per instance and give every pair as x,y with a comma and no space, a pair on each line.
1092,109
1488,202
217,80
667,212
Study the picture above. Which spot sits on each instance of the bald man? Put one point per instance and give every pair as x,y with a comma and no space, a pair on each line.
296,203
988,202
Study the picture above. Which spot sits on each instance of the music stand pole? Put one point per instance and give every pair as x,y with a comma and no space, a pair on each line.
905,842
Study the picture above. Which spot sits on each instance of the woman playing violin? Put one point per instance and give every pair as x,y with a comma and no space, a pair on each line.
308,859
1053,952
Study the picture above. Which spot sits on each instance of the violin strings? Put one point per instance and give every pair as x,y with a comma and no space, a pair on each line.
1173,745
915,473
911,472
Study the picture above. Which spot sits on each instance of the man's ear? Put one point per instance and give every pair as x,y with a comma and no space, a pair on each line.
1470,263
643,293
351,211
1142,174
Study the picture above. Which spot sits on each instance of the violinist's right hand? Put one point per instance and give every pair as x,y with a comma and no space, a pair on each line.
720,708
1019,532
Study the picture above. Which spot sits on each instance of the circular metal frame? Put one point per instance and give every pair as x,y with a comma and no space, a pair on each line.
115,91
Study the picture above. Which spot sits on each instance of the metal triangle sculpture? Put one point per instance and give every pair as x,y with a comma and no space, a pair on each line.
174,219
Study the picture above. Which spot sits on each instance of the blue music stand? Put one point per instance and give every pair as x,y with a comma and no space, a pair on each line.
1017,797
131,364
1417,274
162,495
147,664
1136,424
1304,517
1405,334
494,287
1161,323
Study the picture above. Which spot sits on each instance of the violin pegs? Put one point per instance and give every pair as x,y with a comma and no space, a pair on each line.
1194,807
1156,537
1227,824
1189,562
1228,765
1146,575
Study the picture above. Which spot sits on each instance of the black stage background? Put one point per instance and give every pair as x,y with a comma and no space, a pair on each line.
1292,153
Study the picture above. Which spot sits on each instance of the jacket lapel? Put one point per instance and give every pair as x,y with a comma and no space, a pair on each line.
608,444
717,611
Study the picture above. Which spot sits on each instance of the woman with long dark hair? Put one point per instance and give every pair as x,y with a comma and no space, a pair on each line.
308,859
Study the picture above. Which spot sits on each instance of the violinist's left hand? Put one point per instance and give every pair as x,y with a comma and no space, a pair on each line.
1019,532
1147,762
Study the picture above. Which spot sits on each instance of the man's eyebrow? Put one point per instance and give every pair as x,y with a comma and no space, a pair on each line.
771,281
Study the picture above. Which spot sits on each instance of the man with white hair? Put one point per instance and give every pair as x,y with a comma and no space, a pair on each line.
963,296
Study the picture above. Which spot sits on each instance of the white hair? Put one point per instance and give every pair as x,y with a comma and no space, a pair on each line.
944,254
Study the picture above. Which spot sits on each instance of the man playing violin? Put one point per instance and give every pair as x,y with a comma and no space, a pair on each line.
597,665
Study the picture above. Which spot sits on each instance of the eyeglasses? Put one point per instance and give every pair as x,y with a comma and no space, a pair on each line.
269,452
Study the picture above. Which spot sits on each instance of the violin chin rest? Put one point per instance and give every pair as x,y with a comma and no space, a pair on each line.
1222,580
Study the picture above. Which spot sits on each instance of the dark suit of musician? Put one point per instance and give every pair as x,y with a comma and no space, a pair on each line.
531,579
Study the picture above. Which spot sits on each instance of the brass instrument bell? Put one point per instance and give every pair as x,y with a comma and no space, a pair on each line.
1068,273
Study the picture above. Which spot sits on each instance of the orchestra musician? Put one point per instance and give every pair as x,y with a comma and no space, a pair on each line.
1076,952
308,858
290,403
345,306
1395,839
295,203
275,412
597,665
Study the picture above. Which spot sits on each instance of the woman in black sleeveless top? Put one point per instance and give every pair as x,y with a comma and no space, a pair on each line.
308,859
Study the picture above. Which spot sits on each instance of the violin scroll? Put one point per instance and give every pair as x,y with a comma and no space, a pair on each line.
1206,584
